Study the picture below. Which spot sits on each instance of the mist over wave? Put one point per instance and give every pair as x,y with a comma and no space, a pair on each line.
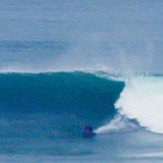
115,57
113,36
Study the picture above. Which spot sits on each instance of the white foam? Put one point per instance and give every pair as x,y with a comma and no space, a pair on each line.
142,99
146,155
119,123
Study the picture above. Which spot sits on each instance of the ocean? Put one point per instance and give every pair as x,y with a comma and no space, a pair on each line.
67,64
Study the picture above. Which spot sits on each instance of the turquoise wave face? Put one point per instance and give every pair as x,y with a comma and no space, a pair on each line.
62,102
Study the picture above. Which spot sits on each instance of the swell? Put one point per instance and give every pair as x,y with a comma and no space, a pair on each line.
57,101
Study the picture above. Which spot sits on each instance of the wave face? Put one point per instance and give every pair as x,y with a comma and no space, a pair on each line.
142,99
62,103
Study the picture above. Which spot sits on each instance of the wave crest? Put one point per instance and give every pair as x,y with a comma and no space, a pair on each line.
142,99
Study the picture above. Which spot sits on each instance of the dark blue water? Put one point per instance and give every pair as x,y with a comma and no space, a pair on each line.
54,105
67,101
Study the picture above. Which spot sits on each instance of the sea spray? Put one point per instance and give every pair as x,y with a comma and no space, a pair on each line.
118,124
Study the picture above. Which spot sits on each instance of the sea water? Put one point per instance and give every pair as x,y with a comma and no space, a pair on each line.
65,65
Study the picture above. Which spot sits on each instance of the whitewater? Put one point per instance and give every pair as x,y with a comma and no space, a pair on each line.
141,99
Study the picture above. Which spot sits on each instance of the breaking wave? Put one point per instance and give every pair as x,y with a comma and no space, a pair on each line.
142,99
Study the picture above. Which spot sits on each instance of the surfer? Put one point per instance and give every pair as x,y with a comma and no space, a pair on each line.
88,132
